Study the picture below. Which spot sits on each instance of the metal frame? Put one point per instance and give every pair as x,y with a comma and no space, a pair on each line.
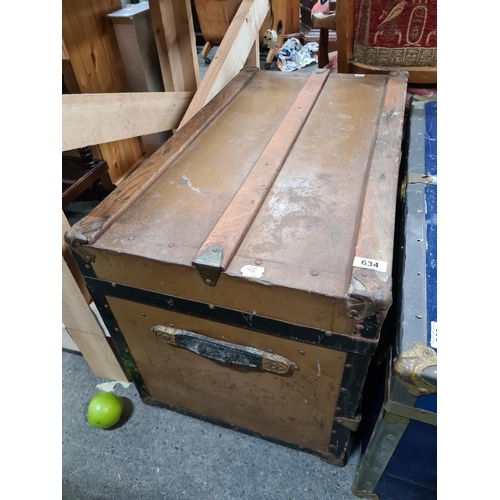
400,401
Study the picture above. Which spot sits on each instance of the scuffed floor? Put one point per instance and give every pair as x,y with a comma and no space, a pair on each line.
159,454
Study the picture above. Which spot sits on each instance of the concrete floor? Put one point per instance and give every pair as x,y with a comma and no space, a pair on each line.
155,453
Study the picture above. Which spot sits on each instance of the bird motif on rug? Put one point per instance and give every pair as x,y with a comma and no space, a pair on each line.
395,12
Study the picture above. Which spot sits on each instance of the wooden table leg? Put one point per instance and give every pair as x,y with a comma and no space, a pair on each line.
204,53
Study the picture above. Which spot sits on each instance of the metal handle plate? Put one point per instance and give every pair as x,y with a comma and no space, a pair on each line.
224,352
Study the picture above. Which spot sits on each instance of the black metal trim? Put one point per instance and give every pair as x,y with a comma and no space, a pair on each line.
232,317
339,442
85,267
118,339
348,402
351,387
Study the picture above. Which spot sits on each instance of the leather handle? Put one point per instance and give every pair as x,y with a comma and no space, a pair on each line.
224,352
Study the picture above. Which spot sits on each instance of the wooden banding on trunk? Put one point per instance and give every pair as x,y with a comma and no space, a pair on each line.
232,227
96,223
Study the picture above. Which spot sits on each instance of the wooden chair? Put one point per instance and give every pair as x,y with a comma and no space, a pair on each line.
80,174
215,17
356,57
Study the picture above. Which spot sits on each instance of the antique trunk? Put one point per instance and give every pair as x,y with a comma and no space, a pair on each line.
244,270
399,445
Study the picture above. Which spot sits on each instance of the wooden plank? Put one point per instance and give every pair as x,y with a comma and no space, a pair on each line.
293,19
175,41
72,265
328,21
65,56
129,191
97,66
344,11
86,332
233,225
89,119
376,229
231,54
253,59
417,74
68,342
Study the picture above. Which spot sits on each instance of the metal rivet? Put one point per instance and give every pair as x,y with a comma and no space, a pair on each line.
131,238
88,258
314,273
328,334
334,432
383,455
338,409
126,350
143,314
87,266
152,328
270,351
117,329
258,262
424,392
343,389
338,420
418,316
301,352
214,249
106,306
113,284
211,306
364,273
390,436
348,366
170,245
136,369
208,282
353,313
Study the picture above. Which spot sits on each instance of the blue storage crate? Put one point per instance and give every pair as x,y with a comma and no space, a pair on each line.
398,459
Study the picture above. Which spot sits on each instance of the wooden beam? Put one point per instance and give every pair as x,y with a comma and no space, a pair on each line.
176,44
89,119
253,59
92,48
231,54
72,265
65,56
84,329
328,21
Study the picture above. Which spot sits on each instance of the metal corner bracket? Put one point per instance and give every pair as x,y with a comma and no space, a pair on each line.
409,365
208,265
77,243
351,423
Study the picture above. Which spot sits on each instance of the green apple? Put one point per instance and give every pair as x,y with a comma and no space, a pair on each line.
104,410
